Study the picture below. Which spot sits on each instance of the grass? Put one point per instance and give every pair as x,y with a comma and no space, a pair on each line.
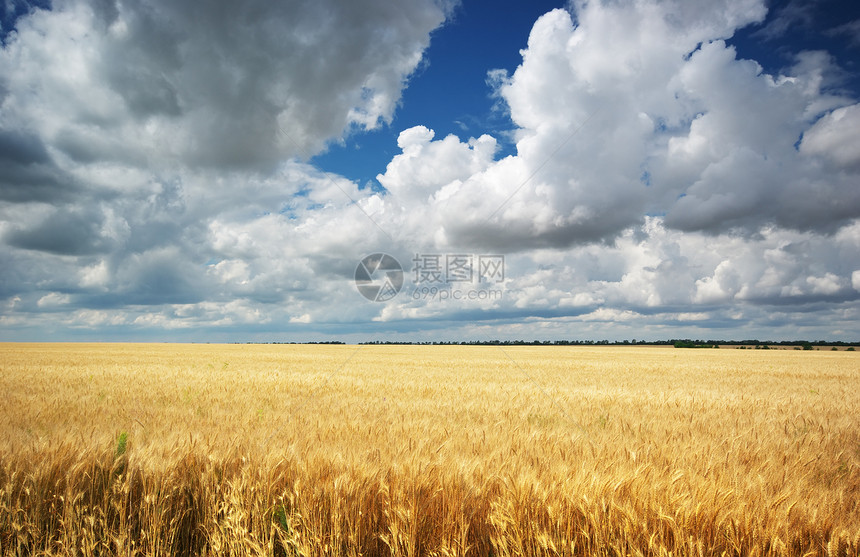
418,450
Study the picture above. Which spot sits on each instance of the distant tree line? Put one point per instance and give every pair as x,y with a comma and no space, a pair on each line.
294,342
677,343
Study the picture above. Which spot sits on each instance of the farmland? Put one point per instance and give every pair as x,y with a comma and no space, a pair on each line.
160,449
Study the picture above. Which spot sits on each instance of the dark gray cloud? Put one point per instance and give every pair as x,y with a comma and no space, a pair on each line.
28,173
22,148
63,232
512,237
234,74
161,276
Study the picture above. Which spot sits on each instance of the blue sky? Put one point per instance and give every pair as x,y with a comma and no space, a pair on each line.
448,92
216,171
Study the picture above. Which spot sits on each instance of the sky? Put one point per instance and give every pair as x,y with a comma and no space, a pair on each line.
223,171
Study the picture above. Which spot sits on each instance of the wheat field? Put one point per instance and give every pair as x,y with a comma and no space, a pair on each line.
311,450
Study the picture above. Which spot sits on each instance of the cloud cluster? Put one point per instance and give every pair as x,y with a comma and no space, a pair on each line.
130,132
642,108
152,176
214,83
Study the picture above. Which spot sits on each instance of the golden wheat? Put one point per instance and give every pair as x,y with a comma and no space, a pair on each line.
120,449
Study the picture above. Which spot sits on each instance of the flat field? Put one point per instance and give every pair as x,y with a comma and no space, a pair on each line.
160,449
